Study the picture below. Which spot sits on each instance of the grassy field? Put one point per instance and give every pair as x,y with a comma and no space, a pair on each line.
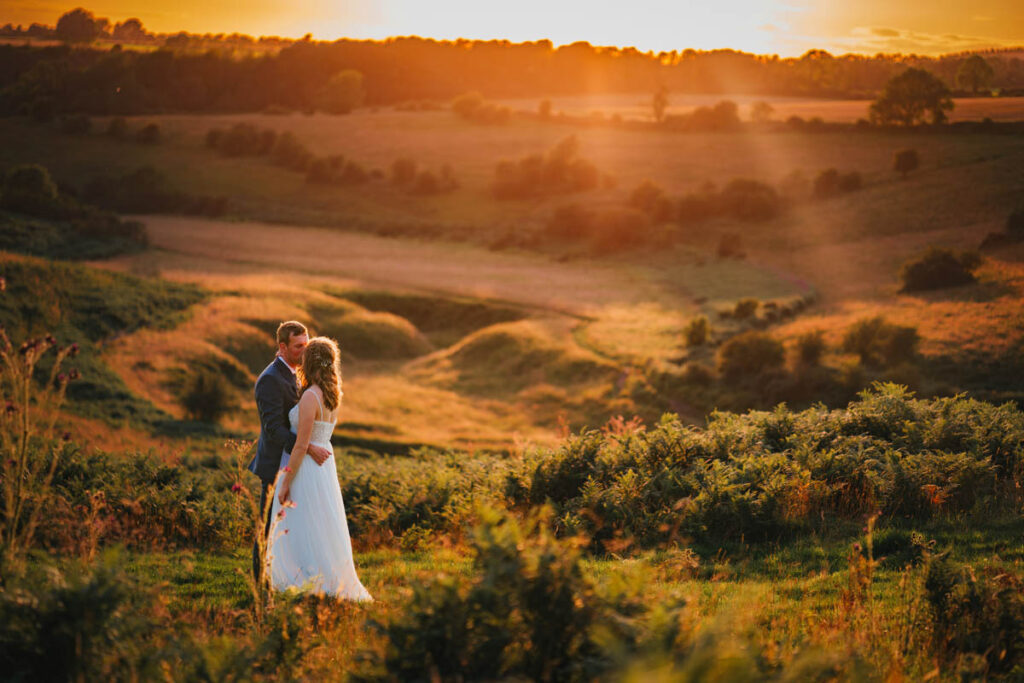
466,367
638,106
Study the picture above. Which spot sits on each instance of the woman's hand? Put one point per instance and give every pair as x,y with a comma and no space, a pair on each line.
284,490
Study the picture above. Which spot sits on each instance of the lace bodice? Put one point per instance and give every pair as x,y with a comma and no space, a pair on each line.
322,430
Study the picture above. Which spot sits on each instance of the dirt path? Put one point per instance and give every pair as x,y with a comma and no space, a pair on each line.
578,288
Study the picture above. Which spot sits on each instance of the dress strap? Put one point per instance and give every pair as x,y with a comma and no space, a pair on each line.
320,404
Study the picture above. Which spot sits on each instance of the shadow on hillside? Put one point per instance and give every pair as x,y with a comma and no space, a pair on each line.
979,292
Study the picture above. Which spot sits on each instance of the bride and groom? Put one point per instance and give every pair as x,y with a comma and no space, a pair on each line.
307,540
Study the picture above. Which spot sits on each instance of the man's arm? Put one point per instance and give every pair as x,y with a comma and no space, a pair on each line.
270,403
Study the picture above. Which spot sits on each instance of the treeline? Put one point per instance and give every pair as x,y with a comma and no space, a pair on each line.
180,77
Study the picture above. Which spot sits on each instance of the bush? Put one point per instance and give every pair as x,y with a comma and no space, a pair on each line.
1015,223
699,206
905,161
826,184
745,308
427,183
29,189
879,342
850,182
810,347
651,199
148,134
206,396
403,171
730,245
117,128
698,331
750,354
977,614
940,268
751,201
560,171
76,124
291,153
528,613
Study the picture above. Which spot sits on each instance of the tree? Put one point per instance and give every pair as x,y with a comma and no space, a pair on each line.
129,30
905,161
761,112
659,103
908,98
974,73
78,26
343,92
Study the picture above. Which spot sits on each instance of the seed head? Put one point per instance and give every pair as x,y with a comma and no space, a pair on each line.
236,487
73,374
74,349
66,436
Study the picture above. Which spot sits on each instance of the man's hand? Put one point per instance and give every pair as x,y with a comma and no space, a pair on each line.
318,453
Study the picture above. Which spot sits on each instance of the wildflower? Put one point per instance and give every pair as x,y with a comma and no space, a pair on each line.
66,436
286,531
61,378
3,284
289,504
280,515
11,408
73,374
50,340
74,350
286,469
236,487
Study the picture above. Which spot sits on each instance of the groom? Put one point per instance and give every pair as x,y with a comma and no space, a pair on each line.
277,391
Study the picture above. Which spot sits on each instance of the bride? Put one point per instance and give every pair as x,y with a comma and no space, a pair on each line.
309,541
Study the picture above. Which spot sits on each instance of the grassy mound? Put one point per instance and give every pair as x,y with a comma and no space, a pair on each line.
368,335
443,320
512,356
87,306
59,239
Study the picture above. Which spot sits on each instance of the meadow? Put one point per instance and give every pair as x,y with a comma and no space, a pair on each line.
548,473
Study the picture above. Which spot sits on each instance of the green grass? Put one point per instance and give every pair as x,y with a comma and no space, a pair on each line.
83,305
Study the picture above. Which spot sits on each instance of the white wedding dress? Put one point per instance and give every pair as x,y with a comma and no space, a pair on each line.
310,548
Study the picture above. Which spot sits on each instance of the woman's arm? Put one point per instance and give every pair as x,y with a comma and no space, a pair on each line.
307,412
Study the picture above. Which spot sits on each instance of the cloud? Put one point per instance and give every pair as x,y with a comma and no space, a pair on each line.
884,32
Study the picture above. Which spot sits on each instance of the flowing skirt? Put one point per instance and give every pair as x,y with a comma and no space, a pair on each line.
309,546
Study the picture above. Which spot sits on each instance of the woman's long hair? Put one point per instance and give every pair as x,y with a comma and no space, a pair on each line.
320,366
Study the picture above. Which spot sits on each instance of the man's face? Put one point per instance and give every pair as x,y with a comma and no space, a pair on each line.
293,350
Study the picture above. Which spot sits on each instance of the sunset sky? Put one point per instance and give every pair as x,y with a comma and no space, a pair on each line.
784,27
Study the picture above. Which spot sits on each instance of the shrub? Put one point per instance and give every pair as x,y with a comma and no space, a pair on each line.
905,161
343,92
403,171
618,229
879,342
751,201
750,354
319,171
698,331
527,613
241,139
560,171
427,183
977,614
291,153
745,308
699,206
1015,223
76,124
810,347
117,128
206,396
939,268
466,105
730,245
651,199
850,182
698,374
29,189
148,134
826,184
42,110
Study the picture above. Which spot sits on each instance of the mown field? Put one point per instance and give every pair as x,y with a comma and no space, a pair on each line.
519,505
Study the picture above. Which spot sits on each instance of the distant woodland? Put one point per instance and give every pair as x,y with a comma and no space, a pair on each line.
94,67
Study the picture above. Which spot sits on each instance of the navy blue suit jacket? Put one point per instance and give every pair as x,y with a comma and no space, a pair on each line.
276,394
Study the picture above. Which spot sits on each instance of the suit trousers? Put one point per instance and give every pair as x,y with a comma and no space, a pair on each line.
257,566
